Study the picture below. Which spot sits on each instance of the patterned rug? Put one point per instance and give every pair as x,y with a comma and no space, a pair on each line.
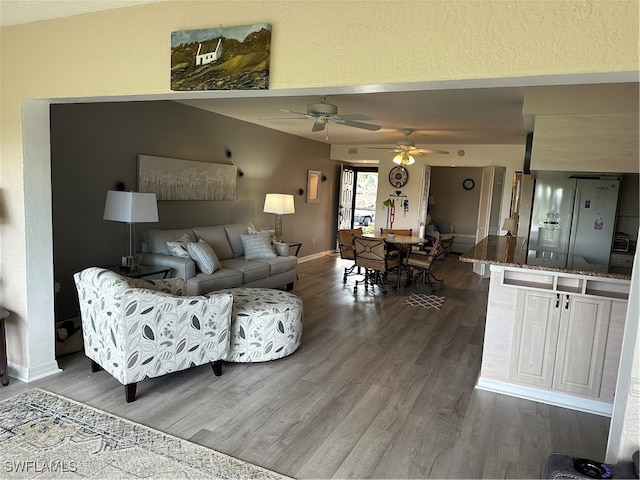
45,435
425,301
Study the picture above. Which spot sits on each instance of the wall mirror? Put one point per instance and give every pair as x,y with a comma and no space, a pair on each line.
313,186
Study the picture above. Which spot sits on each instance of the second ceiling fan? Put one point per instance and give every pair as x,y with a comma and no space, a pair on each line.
406,149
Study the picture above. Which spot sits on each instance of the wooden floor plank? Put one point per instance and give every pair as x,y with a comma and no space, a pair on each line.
378,389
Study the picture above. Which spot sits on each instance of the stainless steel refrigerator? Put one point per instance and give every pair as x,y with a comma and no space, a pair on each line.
572,222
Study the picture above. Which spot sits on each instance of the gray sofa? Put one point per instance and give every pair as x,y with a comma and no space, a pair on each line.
226,242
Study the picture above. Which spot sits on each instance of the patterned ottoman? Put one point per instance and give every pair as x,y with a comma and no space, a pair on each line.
266,324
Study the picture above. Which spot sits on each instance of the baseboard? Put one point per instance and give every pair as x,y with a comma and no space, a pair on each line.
31,374
313,256
545,396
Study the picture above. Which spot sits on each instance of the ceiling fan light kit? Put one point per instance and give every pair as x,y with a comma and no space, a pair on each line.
406,150
404,159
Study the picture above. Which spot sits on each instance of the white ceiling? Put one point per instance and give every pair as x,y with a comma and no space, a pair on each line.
16,12
471,116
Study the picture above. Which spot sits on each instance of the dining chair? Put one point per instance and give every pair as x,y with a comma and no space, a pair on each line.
371,255
422,261
345,246
394,249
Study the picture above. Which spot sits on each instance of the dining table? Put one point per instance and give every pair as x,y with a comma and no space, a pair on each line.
402,241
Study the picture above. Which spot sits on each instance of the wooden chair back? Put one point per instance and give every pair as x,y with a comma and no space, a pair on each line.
398,231
345,242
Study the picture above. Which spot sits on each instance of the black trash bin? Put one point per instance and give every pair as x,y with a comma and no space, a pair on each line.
559,466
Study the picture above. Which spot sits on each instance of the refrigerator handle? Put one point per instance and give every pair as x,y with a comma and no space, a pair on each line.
574,223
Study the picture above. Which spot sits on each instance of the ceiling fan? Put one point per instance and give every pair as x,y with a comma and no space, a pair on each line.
322,113
406,150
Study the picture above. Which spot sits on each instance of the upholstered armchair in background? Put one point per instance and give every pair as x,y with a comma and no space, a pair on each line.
136,329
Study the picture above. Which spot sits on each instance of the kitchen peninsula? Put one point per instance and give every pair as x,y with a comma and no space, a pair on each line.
553,333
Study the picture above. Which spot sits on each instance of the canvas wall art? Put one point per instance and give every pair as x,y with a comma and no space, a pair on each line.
176,179
229,58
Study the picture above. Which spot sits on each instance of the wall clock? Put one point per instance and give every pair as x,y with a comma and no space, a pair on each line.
398,176
468,184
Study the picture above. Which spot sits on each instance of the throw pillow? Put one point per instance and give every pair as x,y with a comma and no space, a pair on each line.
255,231
204,256
443,227
257,246
178,248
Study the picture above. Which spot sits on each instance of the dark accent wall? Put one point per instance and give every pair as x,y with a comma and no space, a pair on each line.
94,146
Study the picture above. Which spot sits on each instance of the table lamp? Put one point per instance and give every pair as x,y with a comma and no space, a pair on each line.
280,204
510,225
130,208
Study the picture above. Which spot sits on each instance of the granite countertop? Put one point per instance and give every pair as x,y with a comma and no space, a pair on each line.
511,252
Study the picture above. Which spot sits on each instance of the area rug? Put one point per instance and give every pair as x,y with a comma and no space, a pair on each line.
45,435
425,301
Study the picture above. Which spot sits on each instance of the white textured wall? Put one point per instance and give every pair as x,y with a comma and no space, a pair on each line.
624,434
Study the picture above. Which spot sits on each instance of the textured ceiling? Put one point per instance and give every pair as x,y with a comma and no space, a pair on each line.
15,12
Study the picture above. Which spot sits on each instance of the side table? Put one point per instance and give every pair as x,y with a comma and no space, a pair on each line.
297,246
140,272
4,369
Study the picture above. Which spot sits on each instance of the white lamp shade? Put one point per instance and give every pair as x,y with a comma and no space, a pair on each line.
510,224
404,159
131,207
279,203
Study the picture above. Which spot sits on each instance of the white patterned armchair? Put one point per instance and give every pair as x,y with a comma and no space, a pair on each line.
138,329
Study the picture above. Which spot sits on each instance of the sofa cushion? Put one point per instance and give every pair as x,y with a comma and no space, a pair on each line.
251,270
204,256
216,237
156,239
257,246
280,264
234,231
204,283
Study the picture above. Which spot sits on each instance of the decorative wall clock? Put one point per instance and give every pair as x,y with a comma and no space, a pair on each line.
468,184
398,176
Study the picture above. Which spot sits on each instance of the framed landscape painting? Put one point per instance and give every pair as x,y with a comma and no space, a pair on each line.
175,179
229,58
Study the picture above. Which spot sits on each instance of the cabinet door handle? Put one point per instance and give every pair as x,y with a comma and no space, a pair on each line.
557,300
566,305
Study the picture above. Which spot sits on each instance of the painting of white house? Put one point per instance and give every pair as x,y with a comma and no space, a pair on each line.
225,58
176,179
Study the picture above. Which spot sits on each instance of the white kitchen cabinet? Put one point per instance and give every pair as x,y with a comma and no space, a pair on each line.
535,338
554,337
582,341
560,341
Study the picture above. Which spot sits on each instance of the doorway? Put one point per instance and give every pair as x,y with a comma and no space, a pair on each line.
358,194
366,192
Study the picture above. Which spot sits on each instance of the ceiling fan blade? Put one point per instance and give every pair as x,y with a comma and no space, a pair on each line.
423,151
350,123
318,126
353,116
297,113
285,118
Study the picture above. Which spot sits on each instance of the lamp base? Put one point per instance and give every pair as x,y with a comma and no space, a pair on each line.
130,263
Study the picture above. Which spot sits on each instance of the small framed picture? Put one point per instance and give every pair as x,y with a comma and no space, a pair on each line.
313,186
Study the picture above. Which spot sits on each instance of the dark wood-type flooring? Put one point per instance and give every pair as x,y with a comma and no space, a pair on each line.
378,389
